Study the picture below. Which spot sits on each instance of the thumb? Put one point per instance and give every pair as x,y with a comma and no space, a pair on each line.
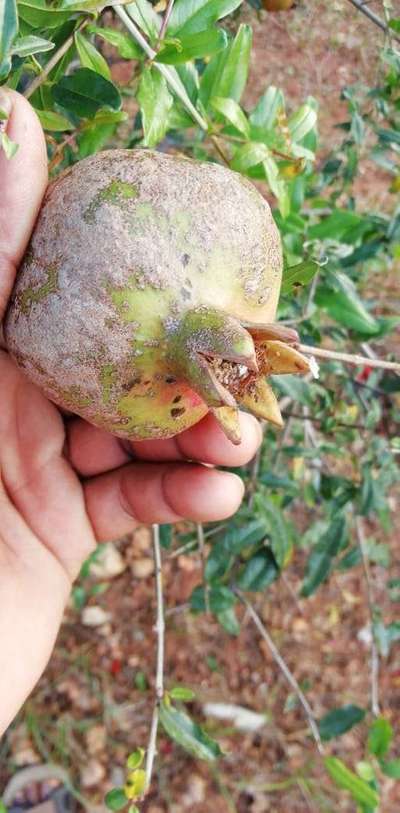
23,180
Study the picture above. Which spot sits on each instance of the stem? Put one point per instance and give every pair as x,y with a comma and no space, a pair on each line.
160,630
164,24
348,358
53,62
202,549
284,669
361,5
374,649
176,85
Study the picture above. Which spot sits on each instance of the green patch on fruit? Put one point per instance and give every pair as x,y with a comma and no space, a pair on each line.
73,397
31,296
152,304
107,379
116,193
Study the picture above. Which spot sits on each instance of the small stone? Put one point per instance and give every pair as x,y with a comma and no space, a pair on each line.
92,773
142,568
142,539
96,739
94,616
196,791
108,564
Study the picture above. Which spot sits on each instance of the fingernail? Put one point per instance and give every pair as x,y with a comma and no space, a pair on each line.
234,478
5,108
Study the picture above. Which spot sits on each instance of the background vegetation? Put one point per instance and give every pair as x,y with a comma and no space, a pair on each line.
313,547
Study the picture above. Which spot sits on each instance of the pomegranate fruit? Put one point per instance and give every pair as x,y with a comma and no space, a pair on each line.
148,295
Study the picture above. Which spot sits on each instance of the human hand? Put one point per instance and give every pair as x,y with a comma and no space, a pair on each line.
64,484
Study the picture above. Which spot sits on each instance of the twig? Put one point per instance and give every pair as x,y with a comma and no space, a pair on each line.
374,649
164,24
348,358
53,62
361,6
202,549
175,85
160,630
284,669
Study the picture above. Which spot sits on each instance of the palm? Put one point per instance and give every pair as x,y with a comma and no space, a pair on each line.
65,484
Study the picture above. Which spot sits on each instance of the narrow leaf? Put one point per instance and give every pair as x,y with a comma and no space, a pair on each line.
338,721
143,14
228,76
90,56
249,155
296,276
193,46
10,147
321,558
125,45
302,122
182,693
39,15
232,112
115,799
155,102
190,16
8,26
380,737
347,780
84,92
188,734
26,46
53,122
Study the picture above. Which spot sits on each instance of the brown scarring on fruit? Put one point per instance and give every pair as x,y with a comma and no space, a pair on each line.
148,296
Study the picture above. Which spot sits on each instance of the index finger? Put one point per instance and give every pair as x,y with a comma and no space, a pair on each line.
23,181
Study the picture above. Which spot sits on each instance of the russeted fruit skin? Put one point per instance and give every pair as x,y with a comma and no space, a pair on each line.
147,294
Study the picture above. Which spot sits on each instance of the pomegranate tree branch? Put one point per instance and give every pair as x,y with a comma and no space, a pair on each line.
374,649
160,630
361,6
348,358
164,24
284,669
53,61
174,82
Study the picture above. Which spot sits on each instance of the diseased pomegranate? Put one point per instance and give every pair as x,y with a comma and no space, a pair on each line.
148,295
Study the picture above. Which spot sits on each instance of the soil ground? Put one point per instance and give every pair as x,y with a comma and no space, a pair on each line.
92,707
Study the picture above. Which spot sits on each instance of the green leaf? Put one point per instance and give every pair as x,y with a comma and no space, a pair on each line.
278,186
10,147
8,27
279,530
336,226
193,46
340,720
94,138
26,46
226,75
53,122
115,799
39,15
259,572
90,57
155,103
249,155
135,784
166,536
190,16
395,24
228,620
232,112
188,734
143,14
298,275
344,778
302,122
125,45
339,298
391,768
84,92
182,693
220,599
380,736
321,558
264,114
135,759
